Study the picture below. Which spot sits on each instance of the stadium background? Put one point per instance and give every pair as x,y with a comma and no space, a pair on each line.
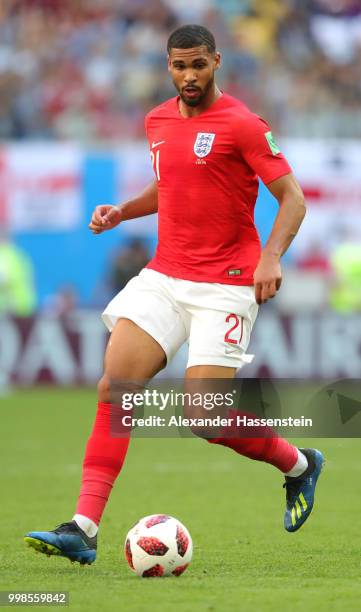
76,78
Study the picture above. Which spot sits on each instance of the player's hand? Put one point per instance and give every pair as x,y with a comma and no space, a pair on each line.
267,277
105,217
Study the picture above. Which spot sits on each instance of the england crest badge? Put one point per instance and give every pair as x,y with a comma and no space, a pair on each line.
203,144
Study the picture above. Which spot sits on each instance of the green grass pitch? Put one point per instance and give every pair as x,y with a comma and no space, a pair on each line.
233,507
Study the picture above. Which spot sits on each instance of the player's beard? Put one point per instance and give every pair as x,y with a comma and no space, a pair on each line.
202,94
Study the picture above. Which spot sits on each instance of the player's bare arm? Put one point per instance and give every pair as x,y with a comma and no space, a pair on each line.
268,274
107,216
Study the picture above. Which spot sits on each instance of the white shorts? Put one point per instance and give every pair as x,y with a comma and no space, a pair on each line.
215,319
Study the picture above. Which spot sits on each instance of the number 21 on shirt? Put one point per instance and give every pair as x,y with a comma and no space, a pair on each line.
155,162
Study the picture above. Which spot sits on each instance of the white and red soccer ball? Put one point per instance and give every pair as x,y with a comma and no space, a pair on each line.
158,545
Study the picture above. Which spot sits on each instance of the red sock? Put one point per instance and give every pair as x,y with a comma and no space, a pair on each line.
104,457
268,447
276,451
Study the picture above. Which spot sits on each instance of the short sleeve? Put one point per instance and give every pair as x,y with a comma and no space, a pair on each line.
146,121
255,142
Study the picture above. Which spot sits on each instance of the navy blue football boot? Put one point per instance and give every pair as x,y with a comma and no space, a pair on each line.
300,491
66,540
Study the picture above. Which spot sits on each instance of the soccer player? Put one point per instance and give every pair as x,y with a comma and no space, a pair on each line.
205,282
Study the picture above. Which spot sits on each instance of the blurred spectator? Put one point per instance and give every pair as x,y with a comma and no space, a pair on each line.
130,260
315,260
90,69
61,303
17,292
346,261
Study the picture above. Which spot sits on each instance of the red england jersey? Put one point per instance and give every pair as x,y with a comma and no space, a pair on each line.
207,168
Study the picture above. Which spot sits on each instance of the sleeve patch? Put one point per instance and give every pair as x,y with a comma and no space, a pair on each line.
272,143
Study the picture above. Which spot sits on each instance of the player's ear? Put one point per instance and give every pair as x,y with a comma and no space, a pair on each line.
217,60
169,63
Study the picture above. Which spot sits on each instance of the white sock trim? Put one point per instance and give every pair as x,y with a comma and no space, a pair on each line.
300,466
86,524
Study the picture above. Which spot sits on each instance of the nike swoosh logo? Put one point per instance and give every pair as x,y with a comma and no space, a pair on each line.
156,144
232,349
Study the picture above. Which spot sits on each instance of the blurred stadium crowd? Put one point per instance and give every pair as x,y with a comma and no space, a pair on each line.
90,69
87,71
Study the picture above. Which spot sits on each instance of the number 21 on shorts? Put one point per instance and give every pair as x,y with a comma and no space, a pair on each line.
234,334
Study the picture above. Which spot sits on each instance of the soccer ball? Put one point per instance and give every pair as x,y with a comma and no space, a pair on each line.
158,545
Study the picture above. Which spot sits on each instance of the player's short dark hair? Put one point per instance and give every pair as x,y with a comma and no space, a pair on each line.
189,36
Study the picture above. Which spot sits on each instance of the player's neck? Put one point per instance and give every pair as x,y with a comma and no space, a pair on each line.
192,111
